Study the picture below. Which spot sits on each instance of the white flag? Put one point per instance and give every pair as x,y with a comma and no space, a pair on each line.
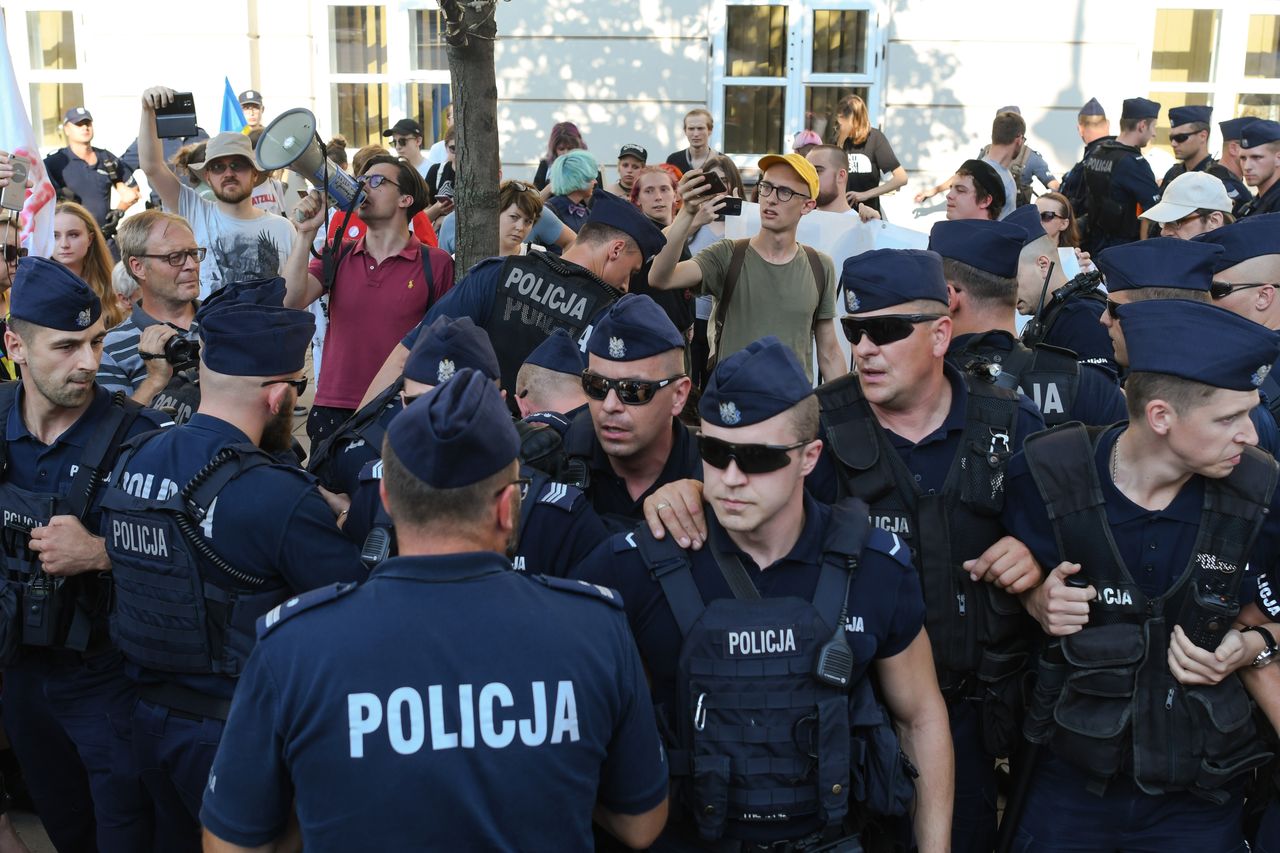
17,137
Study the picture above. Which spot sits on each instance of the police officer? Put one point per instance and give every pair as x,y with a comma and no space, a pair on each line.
1189,136
980,261
549,397
557,527
81,172
1260,161
1064,313
1118,182
206,532
1150,526
1168,268
251,103
64,683
518,300
402,712
1093,127
1232,129
738,636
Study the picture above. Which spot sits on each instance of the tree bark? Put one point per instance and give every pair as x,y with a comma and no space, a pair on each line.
470,31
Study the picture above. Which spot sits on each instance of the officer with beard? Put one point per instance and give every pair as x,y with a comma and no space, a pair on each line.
207,532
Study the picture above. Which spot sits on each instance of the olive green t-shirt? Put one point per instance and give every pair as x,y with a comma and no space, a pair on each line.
770,299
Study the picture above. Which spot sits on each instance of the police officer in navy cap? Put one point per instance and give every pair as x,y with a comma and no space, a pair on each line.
557,527
1232,129
980,262
549,397
631,442
518,300
84,173
1094,128
206,532
443,703
1260,162
785,586
1148,527
1189,136
64,680
1118,182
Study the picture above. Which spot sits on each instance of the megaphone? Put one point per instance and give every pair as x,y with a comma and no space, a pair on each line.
290,142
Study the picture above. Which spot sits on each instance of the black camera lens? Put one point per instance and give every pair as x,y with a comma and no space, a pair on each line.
182,353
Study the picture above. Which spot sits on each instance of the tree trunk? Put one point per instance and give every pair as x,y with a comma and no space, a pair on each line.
470,30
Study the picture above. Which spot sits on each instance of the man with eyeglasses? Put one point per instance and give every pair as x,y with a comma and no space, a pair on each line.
1190,204
1260,162
448,702
206,532
159,252
980,262
1118,182
1189,137
243,243
406,138
84,173
740,637
65,686
769,284
11,251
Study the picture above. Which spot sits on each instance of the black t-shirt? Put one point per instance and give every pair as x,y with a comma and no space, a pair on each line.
867,162
678,304
440,177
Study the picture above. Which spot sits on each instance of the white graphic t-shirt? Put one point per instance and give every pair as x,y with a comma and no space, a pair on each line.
239,249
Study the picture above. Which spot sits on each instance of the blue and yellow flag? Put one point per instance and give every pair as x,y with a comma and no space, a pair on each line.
232,116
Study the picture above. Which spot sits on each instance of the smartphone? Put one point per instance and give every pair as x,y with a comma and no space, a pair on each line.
15,194
178,119
714,181
732,207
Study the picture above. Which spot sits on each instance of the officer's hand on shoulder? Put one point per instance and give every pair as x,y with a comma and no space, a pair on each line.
1191,664
676,508
1060,609
1008,564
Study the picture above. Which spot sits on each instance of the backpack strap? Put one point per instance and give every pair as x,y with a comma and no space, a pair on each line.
736,261
847,533
428,275
95,465
670,566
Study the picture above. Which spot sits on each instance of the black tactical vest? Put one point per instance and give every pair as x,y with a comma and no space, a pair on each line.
365,425
1048,375
1083,286
535,294
1108,217
1109,704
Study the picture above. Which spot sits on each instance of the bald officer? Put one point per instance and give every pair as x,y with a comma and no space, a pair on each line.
445,680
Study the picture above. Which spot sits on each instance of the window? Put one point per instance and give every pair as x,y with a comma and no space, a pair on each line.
55,85
783,66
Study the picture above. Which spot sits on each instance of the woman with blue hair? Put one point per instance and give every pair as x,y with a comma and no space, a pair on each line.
572,179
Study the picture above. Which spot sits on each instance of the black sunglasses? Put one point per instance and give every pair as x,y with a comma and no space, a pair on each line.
1182,137
884,329
1049,216
299,385
632,392
1221,289
1113,310
751,458
12,253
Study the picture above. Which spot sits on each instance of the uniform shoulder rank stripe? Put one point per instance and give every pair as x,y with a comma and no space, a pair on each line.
600,593
371,471
561,495
623,542
890,545
316,597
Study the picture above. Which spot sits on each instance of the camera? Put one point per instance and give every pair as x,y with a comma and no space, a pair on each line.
182,353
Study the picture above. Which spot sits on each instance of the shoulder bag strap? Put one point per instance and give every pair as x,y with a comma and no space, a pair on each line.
726,293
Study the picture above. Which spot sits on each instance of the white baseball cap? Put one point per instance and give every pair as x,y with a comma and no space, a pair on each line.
1187,193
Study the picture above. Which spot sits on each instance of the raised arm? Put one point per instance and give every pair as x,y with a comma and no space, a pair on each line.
151,152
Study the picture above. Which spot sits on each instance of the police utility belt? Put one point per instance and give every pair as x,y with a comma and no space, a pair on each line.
38,610
770,725
1108,703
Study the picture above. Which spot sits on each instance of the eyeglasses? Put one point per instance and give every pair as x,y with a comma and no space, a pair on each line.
1113,310
1049,216
884,329
751,458
632,392
522,482
1178,223
402,141
299,385
375,181
179,259
1221,289
1180,138
785,194
234,164
12,253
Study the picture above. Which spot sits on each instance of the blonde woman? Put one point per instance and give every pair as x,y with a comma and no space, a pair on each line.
79,246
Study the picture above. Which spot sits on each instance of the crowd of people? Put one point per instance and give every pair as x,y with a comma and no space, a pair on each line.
607,545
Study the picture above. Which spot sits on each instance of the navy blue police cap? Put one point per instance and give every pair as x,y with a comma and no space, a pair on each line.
1179,116
1092,108
1251,237
1198,341
75,115
754,384
1139,108
992,247
48,294
456,434
1027,217
633,328
266,291
1233,128
447,346
245,339
1159,262
1259,132
609,209
883,278
558,353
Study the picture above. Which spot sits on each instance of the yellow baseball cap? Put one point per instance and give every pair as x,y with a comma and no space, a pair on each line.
796,161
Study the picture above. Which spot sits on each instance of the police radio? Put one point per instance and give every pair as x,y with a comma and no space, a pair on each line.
835,659
376,548
1208,615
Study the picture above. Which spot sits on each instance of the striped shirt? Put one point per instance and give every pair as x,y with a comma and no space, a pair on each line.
122,368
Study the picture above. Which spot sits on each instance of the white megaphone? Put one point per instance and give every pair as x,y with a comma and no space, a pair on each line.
290,142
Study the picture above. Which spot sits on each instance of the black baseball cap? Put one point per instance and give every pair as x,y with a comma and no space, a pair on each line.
404,127
633,150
